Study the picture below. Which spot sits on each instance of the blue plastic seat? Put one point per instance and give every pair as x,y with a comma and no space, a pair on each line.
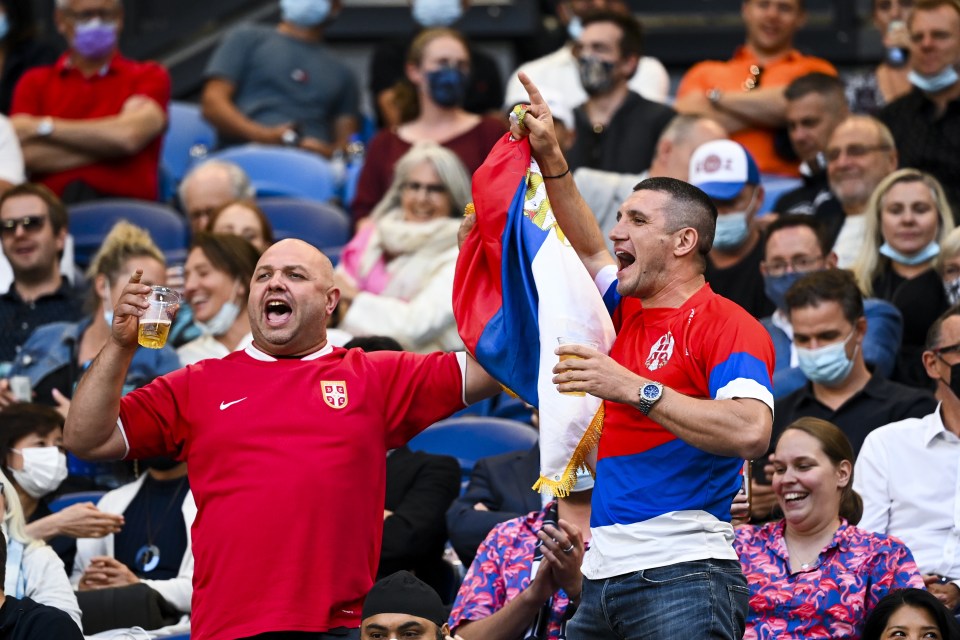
69,499
472,437
90,222
280,171
325,226
188,139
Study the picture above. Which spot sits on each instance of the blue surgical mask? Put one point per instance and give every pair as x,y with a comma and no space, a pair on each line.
776,287
935,83
4,26
222,320
827,365
108,316
732,230
437,13
574,28
952,289
929,252
448,86
305,13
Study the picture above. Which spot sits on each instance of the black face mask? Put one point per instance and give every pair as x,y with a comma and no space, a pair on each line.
160,463
955,379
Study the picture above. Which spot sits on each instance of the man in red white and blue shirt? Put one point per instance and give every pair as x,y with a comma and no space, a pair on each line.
687,396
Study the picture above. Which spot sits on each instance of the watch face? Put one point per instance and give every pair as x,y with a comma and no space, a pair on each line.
651,392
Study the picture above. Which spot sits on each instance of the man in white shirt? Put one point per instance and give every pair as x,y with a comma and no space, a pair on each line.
860,153
907,472
557,72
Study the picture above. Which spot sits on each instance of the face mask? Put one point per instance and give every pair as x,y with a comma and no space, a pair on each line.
952,289
574,28
437,13
44,468
94,38
929,252
305,13
827,365
732,230
776,287
935,83
221,322
596,75
448,86
4,26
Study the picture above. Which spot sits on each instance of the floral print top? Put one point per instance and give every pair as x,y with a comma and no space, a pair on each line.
830,598
501,570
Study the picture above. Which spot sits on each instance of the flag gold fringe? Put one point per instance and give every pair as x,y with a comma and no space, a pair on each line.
561,487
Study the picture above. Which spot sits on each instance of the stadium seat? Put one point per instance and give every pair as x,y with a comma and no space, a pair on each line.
67,499
470,438
773,188
90,222
279,171
323,225
188,138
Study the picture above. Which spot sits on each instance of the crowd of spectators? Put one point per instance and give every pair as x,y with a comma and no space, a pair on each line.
854,272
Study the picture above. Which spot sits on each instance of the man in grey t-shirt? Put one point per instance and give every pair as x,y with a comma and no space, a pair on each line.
281,85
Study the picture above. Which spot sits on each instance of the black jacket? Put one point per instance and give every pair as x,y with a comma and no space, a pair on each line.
27,620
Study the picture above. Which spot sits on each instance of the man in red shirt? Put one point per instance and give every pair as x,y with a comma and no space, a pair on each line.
286,444
90,125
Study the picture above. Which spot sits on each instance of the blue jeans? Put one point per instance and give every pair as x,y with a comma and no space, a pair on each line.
690,600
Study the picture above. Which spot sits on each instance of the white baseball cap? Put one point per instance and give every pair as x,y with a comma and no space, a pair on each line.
722,168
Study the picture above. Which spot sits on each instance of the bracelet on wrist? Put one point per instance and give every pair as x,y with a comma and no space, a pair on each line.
559,175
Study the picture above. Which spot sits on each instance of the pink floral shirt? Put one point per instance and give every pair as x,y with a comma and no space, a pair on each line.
832,597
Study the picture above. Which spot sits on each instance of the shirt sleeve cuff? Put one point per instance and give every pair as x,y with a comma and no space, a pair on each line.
123,434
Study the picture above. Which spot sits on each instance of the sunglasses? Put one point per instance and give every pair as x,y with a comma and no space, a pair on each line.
29,224
431,189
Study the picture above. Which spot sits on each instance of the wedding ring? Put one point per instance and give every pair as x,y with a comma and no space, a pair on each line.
570,549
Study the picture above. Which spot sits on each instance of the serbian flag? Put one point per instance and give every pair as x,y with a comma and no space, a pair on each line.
519,287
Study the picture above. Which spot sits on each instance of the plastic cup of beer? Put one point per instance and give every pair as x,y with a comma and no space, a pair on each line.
586,342
156,321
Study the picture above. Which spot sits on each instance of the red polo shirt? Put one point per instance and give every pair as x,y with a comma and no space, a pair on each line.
61,91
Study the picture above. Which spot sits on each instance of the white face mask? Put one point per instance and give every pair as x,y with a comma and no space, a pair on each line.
44,468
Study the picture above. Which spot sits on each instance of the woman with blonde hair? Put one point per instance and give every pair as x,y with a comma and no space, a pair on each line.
438,68
396,275
906,218
33,569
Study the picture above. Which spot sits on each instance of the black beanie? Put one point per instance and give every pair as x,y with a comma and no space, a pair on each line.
402,592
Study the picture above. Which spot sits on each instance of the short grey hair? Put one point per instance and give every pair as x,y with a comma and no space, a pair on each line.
241,187
452,174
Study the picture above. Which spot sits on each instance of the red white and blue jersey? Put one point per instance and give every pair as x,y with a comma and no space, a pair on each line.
287,463
659,500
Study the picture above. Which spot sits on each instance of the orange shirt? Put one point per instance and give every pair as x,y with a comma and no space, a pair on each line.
729,76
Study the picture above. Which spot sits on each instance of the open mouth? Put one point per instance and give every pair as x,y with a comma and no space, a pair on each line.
624,260
277,312
793,497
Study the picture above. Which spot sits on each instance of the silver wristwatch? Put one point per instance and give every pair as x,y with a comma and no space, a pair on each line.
649,393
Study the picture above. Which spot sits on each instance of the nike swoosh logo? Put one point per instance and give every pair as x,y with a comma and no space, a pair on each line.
225,405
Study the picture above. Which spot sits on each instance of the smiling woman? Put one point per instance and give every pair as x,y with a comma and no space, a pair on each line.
216,284
816,550
396,275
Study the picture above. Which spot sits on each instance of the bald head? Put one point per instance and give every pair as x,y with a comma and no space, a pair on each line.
210,186
677,143
291,297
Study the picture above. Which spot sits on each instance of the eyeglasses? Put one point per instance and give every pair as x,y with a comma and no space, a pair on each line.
855,151
29,223
432,189
105,15
197,214
800,264
753,80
